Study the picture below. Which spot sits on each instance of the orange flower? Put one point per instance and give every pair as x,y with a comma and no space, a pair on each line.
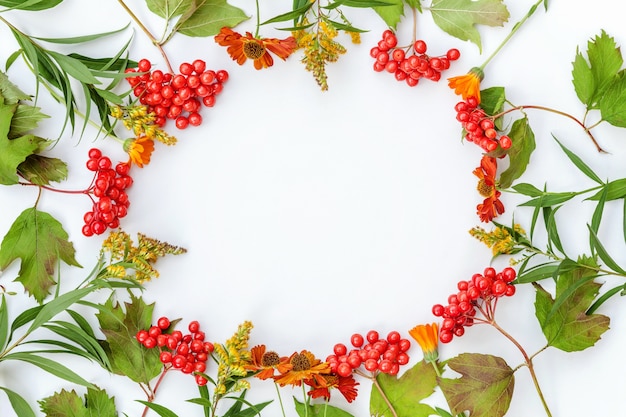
345,384
427,336
266,362
304,367
241,47
139,150
491,207
467,85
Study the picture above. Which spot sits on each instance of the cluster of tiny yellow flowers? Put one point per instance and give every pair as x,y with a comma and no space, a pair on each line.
319,48
500,239
141,123
123,255
233,356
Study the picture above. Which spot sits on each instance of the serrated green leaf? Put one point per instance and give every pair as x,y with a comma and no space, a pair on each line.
39,241
126,355
392,14
25,119
167,9
405,393
484,389
64,404
12,151
459,17
565,324
10,92
211,16
612,104
100,404
318,410
50,366
522,147
41,170
18,403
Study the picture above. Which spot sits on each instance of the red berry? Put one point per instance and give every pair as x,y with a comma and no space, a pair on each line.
372,336
163,323
194,326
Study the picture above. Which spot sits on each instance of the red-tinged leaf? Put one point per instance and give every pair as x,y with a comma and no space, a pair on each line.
126,355
39,241
69,404
484,389
405,392
12,151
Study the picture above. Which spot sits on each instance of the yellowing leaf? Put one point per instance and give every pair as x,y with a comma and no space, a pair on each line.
211,16
12,151
69,404
39,240
484,389
459,17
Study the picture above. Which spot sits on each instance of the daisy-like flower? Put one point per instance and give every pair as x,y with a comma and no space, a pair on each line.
427,336
467,85
266,363
304,367
241,47
345,384
139,150
491,207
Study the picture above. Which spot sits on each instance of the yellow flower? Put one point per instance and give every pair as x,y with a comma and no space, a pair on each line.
427,336
467,85
139,150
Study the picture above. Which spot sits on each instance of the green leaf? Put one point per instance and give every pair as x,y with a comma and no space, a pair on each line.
30,5
80,39
168,9
74,68
564,321
549,199
584,168
537,273
603,253
12,151
613,190
25,119
612,104
523,145
42,170
10,92
19,404
291,15
50,366
492,100
405,392
126,355
459,17
38,239
159,409
527,189
210,17
392,14
551,228
41,314
593,78
484,389
69,404
4,323
318,410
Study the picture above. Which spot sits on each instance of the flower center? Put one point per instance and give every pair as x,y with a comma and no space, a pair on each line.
484,189
270,359
331,380
253,49
300,362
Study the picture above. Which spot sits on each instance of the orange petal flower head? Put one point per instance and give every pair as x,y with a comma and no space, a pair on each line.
467,85
427,336
266,362
304,367
241,47
491,207
139,150
345,384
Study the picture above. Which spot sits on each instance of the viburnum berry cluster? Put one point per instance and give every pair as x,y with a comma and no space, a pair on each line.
109,189
409,64
373,353
185,352
178,97
479,127
480,294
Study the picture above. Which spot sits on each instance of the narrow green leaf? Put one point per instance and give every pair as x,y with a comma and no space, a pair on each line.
4,323
19,404
584,168
50,366
81,39
551,228
603,254
344,27
527,189
358,3
538,273
159,409
596,218
612,190
610,293
59,304
294,14
74,67
30,5
318,410
549,199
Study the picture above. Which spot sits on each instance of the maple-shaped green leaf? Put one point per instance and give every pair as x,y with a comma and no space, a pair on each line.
10,92
12,151
612,103
592,77
209,17
39,241
392,14
460,17
522,147
25,119
405,392
70,404
126,355
168,9
42,170
563,319
484,389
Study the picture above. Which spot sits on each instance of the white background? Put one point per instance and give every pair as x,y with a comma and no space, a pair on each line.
320,214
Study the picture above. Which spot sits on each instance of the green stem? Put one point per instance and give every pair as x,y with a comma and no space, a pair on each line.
280,399
515,28
528,361
382,394
258,20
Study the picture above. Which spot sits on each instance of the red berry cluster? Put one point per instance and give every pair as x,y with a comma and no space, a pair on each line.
177,96
411,63
479,294
377,355
109,187
188,352
479,127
